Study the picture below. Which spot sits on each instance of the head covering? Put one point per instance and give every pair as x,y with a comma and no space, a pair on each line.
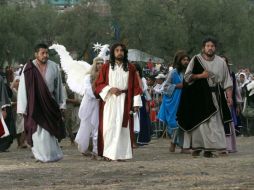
160,76
245,79
170,68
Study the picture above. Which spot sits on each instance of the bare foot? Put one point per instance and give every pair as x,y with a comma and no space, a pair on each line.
135,145
94,157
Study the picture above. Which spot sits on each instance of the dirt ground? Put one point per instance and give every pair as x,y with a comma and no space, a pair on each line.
153,167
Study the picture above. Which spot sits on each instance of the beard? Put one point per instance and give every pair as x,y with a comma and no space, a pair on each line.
185,66
43,61
119,58
182,67
209,53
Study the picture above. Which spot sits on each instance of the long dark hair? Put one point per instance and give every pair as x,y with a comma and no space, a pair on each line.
178,58
139,69
112,58
226,58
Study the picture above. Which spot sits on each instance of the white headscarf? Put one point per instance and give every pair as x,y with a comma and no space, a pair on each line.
245,80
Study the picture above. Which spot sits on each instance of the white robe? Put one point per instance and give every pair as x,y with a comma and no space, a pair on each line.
117,140
45,146
89,115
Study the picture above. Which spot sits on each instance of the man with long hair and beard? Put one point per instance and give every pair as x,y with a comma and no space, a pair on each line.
203,109
172,94
119,92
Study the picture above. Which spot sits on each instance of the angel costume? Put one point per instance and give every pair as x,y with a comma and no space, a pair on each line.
76,72
39,99
89,116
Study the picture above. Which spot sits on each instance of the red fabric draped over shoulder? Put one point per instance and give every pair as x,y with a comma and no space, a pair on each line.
133,90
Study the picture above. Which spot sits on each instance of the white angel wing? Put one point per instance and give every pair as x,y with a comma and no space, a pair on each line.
250,87
75,70
103,52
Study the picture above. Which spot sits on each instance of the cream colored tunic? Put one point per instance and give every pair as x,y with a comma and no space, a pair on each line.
45,146
210,135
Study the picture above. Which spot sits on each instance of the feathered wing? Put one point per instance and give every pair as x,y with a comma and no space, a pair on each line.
75,70
103,52
250,87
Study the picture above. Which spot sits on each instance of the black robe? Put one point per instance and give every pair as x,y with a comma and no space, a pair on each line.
6,142
196,104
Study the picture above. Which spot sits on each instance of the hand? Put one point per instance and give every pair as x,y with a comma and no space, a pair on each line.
204,75
238,110
136,109
115,91
4,114
180,85
230,101
76,103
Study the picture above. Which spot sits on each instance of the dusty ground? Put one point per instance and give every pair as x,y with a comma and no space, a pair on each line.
153,167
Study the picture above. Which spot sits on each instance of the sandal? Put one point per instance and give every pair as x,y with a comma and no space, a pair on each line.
185,151
196,153
224,153
107,159
87,153
209,154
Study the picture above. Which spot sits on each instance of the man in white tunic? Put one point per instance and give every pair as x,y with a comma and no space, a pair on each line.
118,88
39,99
208,133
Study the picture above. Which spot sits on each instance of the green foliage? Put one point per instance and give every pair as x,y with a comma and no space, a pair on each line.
21,28
81,28
158,27
163,27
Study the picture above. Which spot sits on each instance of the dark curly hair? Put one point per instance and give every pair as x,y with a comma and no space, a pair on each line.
112,58
139,69
226,58
209,39
39,46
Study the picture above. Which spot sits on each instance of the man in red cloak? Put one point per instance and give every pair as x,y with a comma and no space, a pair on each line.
118,88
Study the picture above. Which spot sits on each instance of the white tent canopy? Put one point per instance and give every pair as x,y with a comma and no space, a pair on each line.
137,55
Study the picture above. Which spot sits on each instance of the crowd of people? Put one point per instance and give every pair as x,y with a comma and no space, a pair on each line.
198,102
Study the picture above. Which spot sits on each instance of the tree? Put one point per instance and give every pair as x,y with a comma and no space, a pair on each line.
80,28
